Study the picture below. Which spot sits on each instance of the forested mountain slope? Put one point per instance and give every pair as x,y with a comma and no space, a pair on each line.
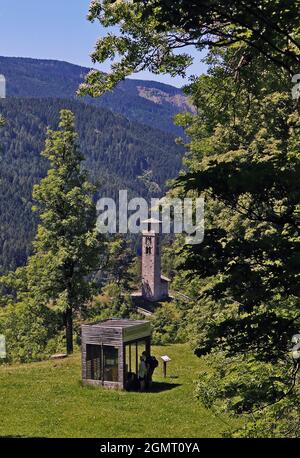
117,151
148,102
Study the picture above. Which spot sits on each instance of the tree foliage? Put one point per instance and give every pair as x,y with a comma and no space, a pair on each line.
116,152
67,246
119,261
243,156
251,244
32,332
114,302
151,33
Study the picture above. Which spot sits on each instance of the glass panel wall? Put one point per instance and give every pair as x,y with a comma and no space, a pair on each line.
110,364
93,362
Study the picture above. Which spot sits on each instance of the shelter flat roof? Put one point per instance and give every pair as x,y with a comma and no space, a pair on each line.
116,323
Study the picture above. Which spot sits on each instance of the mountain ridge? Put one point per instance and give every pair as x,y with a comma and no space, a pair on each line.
148,102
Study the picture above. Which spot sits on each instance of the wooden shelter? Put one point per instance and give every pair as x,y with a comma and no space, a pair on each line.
111,351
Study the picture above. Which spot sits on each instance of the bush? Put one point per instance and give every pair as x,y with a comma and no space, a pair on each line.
28,329
168,324
264,396
112,304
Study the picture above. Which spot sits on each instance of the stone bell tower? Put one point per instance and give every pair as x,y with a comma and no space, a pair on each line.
154,286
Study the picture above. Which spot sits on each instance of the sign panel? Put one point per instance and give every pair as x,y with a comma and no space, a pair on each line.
166,358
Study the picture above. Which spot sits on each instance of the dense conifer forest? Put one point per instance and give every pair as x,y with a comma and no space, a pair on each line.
117,152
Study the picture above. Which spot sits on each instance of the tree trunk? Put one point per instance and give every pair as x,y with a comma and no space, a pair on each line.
69,330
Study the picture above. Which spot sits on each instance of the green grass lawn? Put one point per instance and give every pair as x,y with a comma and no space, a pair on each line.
47,399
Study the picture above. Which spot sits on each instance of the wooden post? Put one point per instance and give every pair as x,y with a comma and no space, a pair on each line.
69,330
129,346
148,345
165,369
102,364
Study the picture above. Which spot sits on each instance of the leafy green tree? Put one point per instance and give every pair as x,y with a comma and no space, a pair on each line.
67,247
152,31
167,324
111,303
150,184
31,331
119,261
265,394
243,157
251,243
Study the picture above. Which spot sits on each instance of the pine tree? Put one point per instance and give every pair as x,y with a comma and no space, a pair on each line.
67,247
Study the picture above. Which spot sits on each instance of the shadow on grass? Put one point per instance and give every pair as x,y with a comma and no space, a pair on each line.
158,387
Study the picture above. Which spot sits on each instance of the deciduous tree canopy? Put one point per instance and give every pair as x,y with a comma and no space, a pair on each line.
153,31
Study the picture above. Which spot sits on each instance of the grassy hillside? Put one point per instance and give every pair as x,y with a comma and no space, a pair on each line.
47,400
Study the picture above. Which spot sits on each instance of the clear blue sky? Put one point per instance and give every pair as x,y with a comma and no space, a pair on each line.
58,29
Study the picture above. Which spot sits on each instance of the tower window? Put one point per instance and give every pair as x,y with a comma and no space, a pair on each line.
148,250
